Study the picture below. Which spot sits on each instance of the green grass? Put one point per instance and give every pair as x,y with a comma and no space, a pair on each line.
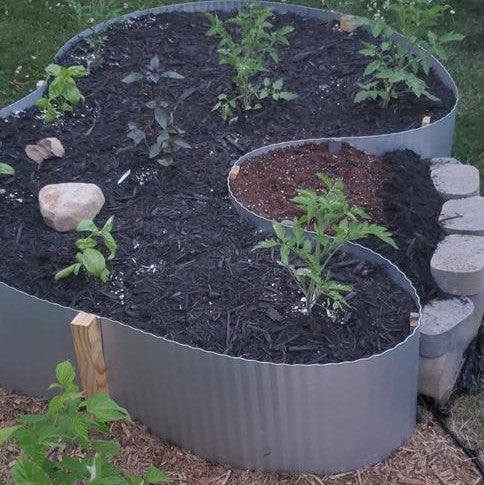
31,31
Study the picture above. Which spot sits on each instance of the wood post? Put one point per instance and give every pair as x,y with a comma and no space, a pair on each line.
87,338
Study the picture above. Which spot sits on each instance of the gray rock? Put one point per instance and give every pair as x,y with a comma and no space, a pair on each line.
455,181
457,264
463,216
63,206
445,325
438,375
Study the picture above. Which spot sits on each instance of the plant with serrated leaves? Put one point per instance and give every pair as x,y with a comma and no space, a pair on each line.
417,20
152,73
5,169
394,68
307,258
248,54
89,257
63,93
66,445
158,133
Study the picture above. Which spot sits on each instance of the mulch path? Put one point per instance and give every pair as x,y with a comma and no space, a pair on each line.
428,458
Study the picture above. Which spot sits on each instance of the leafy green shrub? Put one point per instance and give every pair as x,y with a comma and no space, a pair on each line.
63,445
248,55
417,20
89,257
5,169
394,69
335,223
63,93
159,134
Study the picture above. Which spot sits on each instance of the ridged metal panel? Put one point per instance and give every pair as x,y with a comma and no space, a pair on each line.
434,140
320,418
275,417
34,337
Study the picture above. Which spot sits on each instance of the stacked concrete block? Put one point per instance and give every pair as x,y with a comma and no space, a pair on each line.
448,326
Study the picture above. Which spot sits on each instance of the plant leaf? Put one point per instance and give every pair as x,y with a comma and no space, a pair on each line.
105,409
132,77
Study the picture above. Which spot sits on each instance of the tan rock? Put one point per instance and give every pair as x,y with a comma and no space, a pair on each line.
63,206
45,149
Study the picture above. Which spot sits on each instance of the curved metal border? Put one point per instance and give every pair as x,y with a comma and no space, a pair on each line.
319,418
433,140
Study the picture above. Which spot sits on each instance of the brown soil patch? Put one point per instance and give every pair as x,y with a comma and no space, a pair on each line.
428,458
267,183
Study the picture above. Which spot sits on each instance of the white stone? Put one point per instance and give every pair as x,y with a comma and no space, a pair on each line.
463,216
457,264
63,206
446,324
455,181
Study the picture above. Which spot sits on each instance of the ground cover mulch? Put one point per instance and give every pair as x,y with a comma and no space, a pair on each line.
185,268
430,457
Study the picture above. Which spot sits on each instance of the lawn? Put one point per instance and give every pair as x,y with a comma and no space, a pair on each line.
31,31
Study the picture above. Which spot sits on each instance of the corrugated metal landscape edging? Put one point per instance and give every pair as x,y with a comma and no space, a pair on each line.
320,418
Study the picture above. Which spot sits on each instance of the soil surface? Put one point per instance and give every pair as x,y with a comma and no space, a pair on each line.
430,457
266,184
396,191
185,268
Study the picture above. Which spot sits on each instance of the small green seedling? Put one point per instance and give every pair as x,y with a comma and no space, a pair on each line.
159,134
307,259
63,93
67,445
248,53
152,73
5,169
89,257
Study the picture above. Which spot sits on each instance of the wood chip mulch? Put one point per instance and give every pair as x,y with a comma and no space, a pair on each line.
428,458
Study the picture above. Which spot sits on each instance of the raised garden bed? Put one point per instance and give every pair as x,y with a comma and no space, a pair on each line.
228,349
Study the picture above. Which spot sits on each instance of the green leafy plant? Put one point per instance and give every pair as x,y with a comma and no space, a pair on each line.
307,259
5,169
90,258
152,73
158,133
63,93
393,69
96,43
248,53
417,20
64,445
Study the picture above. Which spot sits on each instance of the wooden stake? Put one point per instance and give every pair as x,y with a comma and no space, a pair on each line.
87,338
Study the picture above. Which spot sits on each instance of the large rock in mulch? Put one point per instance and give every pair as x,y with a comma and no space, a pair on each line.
458,264
438,375
455,181
463,216
63,206
445,325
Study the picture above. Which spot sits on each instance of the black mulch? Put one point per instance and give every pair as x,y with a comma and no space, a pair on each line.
185,267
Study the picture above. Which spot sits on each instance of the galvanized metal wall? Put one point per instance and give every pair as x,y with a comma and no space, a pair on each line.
276,417
34,337
319,418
